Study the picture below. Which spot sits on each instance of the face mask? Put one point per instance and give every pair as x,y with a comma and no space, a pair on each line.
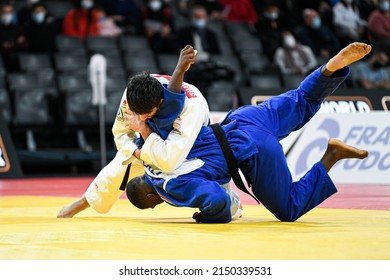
6,19
199,23
86,4
155,5
289,41
38,17
272,16
384,6
316,23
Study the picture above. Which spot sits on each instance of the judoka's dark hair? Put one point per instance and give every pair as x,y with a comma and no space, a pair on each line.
134,192
143,93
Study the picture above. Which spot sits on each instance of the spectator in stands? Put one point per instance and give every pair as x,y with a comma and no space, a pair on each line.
373,73
125,13
12,38
106,25
293,58
82,21
366,7
319,37
24,12
240,10
349,26
204,40
40,30
270,27
215,10
158,25
323,7
198,35
379,23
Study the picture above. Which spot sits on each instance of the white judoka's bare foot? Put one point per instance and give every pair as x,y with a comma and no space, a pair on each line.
338,150
348,55
72,209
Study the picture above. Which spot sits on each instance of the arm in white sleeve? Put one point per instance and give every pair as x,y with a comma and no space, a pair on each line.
124,139
168,154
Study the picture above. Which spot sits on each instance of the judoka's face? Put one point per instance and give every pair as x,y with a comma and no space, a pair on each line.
151,114
149,196
152,199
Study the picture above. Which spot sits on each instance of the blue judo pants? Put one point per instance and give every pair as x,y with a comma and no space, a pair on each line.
267,172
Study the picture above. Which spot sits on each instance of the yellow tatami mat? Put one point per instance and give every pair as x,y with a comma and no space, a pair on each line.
29,230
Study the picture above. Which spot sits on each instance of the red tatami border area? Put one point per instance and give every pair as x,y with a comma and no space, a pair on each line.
374,197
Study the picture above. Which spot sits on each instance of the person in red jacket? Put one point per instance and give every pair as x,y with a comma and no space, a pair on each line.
240,10
82,21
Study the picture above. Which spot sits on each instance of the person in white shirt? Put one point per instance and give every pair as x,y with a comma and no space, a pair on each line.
349,26
293,58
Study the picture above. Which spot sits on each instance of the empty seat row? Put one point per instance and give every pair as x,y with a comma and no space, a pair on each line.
101,44
31,108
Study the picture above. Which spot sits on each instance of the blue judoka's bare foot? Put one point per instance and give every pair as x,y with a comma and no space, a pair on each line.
348,55
338,150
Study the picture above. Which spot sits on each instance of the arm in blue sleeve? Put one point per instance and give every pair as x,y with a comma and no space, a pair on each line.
206,195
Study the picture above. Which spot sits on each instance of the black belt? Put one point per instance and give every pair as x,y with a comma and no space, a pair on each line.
229,157
125,178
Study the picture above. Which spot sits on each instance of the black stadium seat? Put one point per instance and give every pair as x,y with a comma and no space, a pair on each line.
70,61
140,60
58,9
128,43
31,108
73,81
221,96
167,62
265,81
5,105
79,109
96,44
69,44
31,62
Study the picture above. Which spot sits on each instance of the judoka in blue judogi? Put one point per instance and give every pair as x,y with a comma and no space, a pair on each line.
253,134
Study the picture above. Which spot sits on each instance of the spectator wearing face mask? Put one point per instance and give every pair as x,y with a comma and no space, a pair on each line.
40,30
293,58
206,70
12,39
24,12
379,23
349,26
319,37
374,72
198,35
270,26
82,21
323,7
158,26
